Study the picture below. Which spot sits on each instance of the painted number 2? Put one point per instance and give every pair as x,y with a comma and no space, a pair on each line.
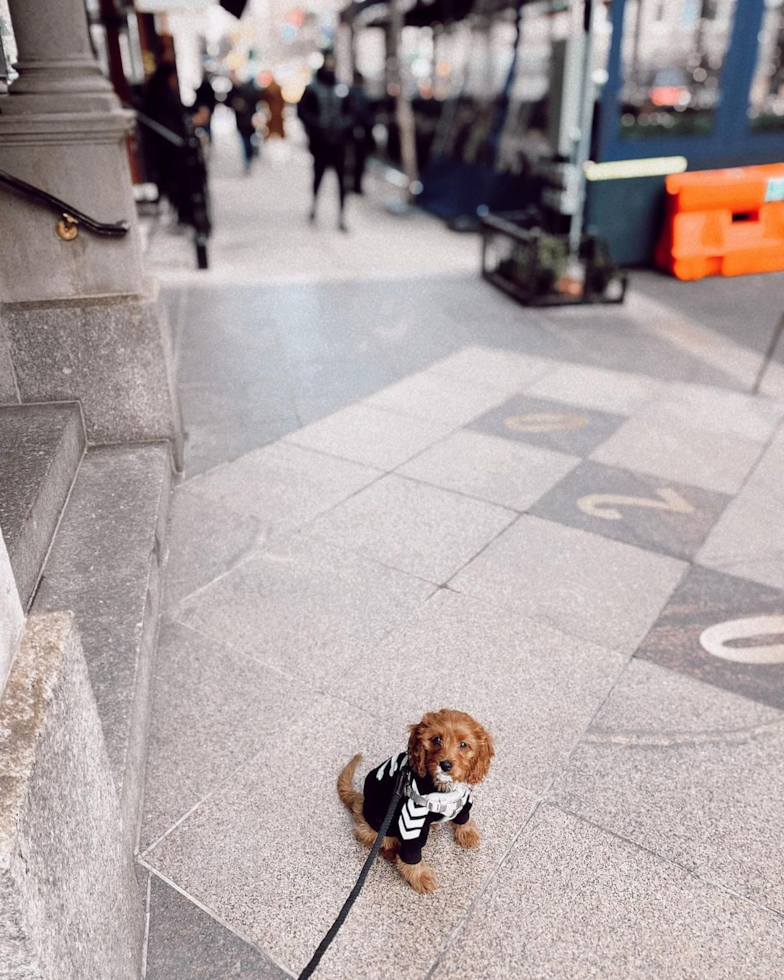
602,504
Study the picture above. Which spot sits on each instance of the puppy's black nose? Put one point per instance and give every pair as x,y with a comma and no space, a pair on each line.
446,765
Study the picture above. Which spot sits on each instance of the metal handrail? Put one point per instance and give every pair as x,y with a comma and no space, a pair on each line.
111,229
156,127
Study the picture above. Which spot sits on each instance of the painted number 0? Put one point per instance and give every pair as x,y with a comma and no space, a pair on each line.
714,640
601,504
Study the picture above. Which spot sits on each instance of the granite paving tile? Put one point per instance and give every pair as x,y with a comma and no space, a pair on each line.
598,388
419,529
572,901
681,452
716,410
436,398
690,772
208,446
723,630
212,709
262,401
504,370
749,539
185,943
549,424
338,382
644,510
510,474
204,541
534,687
634,336
304,606
284,486
208,356
369,435
279,817
602,590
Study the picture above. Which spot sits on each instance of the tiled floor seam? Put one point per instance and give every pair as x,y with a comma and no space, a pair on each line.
711,347
550,366
260,548
199,803
454,934
769,356
282,673
346,459
779,913
511,524
146,940
172,618
168,612
457,493
765,446
709,684
551,624
215,917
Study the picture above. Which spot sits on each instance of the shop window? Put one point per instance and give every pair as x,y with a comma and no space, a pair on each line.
673,52
766,109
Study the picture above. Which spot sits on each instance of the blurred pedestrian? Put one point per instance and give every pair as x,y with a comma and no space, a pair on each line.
161,102
272,95
325,110
362,133
243,99
204,106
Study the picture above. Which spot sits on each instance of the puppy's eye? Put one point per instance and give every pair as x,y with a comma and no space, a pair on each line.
464,745
437,740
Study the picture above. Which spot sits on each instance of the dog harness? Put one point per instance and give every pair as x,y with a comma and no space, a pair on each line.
422,806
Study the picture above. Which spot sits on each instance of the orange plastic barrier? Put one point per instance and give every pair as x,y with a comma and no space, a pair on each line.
723,222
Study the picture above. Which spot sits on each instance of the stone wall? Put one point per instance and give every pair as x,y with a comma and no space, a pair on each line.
69,902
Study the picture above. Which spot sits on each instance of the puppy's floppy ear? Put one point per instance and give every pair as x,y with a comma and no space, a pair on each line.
417,752
485,750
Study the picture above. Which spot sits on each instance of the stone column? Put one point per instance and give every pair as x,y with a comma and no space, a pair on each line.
62,129
83,322
55,58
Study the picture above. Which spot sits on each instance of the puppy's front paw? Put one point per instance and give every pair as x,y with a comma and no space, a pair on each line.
419,876
425,881
467,834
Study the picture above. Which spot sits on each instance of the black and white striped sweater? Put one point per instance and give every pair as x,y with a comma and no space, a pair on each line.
412,820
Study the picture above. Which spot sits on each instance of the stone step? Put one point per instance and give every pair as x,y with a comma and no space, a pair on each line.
40,450
105,566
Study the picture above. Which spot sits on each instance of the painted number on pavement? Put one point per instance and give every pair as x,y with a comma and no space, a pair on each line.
714,640
601,504
546,422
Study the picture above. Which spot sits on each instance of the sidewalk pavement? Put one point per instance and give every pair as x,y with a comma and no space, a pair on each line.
404,492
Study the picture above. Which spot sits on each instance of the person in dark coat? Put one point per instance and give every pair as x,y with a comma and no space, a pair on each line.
204,106
161,102
325,110
362,133
243,99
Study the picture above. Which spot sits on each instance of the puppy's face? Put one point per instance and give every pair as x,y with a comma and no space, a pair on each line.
451,747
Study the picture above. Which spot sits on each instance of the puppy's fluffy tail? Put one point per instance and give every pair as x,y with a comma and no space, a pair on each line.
349,797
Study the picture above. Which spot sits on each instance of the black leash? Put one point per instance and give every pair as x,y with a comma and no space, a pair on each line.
333,930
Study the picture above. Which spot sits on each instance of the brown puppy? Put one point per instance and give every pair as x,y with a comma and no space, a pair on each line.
448,752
